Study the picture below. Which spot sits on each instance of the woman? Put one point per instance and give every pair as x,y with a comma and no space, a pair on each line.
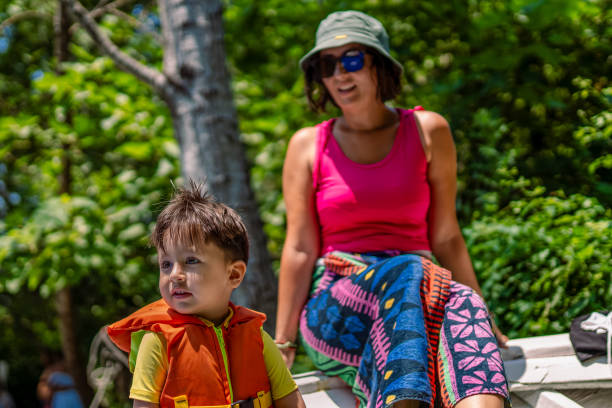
370,198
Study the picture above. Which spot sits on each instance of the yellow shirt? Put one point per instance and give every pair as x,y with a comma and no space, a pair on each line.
152,365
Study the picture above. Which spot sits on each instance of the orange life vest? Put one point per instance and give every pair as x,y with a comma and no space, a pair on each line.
208,366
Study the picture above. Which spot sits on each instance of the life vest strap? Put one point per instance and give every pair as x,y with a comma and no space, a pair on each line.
263,400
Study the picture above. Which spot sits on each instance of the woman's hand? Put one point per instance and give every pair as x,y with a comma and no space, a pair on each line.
502,339
288,355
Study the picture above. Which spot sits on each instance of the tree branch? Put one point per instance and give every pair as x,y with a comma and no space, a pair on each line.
125,62
101,3
24,16
102,8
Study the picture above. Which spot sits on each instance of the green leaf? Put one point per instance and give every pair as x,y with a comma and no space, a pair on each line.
136,150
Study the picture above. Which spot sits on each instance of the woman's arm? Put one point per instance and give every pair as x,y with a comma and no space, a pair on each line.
447,243
302,240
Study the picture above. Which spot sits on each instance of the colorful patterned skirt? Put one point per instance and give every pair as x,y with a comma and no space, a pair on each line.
395,327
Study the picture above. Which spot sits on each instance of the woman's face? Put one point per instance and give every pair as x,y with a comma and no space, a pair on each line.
351,89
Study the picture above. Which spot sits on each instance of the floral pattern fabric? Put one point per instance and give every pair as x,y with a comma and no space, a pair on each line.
469,361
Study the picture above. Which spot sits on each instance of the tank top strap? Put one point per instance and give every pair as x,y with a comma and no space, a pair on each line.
410,130
405,113
323,132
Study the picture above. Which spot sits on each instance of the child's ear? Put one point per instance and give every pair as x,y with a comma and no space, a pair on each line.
237,269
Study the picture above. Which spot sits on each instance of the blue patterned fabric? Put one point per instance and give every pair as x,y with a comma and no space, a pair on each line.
383,334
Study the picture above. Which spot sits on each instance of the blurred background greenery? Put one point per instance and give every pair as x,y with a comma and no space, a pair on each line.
524,84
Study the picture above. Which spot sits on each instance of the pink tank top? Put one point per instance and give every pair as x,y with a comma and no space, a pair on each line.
372,207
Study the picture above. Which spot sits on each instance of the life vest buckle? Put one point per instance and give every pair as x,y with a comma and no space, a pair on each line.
246,403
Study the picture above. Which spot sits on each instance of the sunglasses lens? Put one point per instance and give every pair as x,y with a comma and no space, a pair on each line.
351,60
327,65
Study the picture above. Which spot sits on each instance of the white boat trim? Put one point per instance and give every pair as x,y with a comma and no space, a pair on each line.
543,372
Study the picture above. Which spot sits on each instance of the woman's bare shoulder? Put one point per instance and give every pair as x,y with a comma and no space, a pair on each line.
304,137
302,145
434,131
431,121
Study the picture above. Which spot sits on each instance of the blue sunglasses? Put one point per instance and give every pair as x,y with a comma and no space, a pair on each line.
351,60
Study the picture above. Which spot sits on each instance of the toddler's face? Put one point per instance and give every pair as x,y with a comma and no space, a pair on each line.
197,280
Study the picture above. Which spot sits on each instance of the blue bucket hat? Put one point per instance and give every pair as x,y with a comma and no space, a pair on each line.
345,27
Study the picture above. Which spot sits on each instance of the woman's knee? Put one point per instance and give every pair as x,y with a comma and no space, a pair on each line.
459,293
481,401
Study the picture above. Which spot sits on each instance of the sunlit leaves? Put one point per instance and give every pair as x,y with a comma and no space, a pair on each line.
56,247
114,139
543,261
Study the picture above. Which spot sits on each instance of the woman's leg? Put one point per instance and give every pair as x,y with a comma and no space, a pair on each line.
481,401
470,368
373,319
407,404
394,365
324,278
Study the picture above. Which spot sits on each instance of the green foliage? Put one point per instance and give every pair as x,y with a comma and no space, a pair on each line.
265,125
61,242
114,140
544,260
86,158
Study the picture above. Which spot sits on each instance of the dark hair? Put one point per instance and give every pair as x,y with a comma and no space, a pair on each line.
194,217
388,79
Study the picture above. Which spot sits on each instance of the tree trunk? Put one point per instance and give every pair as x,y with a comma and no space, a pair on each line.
63,298
69,344
195,84
206,126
